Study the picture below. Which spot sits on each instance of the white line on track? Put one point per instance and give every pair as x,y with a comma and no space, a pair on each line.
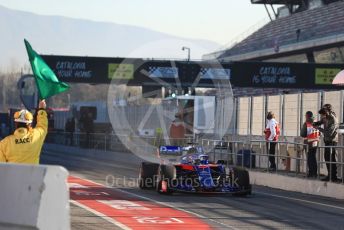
301,200
113,221
169,205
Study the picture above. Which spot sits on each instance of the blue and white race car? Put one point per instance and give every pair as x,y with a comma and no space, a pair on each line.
188,169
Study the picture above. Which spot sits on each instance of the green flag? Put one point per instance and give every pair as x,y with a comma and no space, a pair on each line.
47,83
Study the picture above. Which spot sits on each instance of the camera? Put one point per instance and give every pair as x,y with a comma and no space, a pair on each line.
317,123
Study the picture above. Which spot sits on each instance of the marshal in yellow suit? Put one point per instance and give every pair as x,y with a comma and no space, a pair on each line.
25,145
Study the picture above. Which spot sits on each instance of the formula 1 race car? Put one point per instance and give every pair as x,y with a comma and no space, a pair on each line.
188,169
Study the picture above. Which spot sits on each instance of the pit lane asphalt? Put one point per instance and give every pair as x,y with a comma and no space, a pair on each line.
266,209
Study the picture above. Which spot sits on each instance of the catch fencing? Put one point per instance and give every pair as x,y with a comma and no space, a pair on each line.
289,109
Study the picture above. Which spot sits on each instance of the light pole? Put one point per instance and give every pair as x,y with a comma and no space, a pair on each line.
188,49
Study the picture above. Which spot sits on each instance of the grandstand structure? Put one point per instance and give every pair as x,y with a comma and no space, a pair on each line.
299,31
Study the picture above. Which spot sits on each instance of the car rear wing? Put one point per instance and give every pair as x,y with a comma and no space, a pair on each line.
168,153
169,150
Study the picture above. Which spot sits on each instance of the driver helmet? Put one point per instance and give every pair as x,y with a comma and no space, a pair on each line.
204,159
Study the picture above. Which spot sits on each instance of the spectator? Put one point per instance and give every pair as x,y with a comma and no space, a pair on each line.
89,127
311,136
329,130
24,146
67,127
70,129
271,136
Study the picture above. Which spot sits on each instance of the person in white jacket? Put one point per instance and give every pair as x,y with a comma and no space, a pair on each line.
271,136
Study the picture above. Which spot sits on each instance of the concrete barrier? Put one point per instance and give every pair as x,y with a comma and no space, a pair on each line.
33,197
314,187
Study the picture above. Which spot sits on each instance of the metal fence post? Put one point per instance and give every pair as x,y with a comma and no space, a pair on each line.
260,147
277,155
236,117
214,150
251,152
105,141
265,110
299,116
228,153
250,110
280,112
301,101
342,167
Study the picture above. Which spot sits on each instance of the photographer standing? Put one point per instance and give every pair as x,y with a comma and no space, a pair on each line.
329,130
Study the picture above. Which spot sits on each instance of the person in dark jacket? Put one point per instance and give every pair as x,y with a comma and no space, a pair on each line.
329,130
311,136
70,129
89,127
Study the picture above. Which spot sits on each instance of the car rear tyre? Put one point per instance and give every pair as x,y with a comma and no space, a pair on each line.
242,180
148,172
163,180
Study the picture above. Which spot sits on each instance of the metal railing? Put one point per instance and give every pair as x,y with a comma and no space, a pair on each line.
290,157
290,147
111,141
339,163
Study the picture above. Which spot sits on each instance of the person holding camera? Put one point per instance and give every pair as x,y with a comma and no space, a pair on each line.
329,131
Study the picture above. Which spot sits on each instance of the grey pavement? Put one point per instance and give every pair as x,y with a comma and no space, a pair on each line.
266,209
